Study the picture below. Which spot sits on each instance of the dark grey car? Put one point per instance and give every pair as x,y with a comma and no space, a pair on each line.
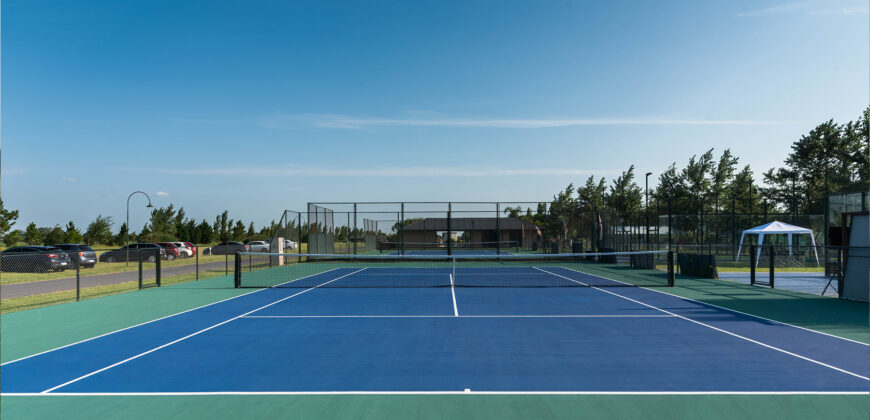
34,259
80,255
149,253
224,248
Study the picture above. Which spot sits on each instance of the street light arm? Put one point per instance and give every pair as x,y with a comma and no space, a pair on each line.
127,236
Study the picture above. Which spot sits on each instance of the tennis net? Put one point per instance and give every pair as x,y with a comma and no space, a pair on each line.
442,247
642,268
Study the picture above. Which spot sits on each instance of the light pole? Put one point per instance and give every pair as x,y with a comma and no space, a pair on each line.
646,193
127,237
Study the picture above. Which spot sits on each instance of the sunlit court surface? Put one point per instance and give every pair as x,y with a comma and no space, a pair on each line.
463,325
473,209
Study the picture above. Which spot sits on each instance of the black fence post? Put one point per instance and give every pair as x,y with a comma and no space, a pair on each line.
139,254
772,264
249,263
752,264
197,263
840,280
78,282
671,269
157,268
670,224
226,264
237,271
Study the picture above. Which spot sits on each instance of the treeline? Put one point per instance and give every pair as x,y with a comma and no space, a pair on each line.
831,158
166,224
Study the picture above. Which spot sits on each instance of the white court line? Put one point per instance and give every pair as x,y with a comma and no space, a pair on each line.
153,320
453,292
714,328
453,316
726,309
148,394
193,334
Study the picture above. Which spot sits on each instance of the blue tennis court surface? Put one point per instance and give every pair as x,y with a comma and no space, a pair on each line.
450,339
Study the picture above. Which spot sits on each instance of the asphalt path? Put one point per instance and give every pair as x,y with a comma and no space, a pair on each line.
9,291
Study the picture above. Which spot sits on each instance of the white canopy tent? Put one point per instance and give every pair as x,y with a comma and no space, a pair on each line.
777,228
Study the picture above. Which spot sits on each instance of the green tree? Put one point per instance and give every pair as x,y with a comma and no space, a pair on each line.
625,195
204,233
831,158
250,234
7,219
591,195
744,193
72,234
163,223
99,231
222,225
695,175
12,238
55,236
238,233
123,235
721,175
32,235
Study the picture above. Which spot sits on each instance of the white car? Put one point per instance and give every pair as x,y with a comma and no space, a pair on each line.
288,244
258,246
183,250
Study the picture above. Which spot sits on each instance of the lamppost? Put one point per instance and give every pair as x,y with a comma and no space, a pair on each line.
646,193
127,237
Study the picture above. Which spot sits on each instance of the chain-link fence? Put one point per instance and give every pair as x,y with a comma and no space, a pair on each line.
35,276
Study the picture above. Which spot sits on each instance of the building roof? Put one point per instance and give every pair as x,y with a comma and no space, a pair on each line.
467,224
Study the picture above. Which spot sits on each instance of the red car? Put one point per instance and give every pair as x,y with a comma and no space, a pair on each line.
171,250
191,246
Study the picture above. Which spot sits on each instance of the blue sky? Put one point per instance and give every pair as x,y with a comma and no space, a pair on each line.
255,107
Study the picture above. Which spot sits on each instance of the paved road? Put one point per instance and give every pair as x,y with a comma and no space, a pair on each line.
8,291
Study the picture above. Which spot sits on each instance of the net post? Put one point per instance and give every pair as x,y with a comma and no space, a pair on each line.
449,229
356,232
772,254
237,272
497,229
670,268
402,231
197,262
157,268
752,264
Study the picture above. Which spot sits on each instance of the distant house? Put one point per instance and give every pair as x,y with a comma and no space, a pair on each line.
478,230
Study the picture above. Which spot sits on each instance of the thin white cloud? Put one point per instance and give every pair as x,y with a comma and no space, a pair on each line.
818,9
845,11
409,171
162,194
297,121
784,8
69,179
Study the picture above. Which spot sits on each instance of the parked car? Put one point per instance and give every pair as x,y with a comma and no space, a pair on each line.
34,259
80,255
149,253
172,251
225,248
288,244
258,246
183,249
192,247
